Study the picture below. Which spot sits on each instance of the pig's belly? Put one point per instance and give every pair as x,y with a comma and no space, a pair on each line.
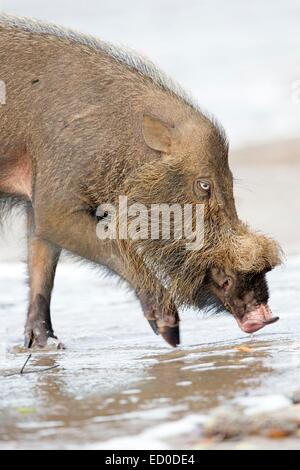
16,176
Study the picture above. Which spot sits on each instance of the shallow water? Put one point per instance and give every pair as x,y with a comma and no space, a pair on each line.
117,385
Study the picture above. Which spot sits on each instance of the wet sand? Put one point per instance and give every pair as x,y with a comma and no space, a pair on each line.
119,386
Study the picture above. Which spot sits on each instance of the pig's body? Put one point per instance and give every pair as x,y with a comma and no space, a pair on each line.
71,138
74,112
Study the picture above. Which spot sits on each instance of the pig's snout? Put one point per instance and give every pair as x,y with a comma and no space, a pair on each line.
256,319
245,296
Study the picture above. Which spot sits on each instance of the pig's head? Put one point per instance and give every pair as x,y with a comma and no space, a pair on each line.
187,163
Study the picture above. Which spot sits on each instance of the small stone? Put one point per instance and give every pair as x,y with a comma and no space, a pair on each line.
274,425
277,433
296,397
244,349
227,423
296,413
25,410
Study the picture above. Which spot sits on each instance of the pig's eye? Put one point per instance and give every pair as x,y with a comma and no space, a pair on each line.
204,185
202,188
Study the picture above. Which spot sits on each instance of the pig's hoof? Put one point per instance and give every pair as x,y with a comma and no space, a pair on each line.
171,335
45,342
55,344
163,322
154,326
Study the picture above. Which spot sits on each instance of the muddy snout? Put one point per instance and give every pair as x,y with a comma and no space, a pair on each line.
256,319
245,296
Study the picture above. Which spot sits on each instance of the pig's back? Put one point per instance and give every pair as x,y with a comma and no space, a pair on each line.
72,93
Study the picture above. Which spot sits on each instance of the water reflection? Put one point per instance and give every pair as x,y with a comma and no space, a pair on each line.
174,384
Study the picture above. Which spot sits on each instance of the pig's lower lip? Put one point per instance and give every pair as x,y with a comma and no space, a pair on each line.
257,319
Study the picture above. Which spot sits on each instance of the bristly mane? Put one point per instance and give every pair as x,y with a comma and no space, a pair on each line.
127,57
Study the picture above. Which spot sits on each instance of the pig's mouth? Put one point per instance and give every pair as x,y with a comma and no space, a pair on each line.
256,319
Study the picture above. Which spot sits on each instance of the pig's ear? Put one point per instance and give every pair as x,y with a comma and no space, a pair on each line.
157,134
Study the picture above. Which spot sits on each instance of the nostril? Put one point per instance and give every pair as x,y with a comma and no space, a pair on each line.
250,306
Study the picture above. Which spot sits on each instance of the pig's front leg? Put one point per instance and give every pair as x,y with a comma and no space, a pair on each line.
42,262
77,232
164,321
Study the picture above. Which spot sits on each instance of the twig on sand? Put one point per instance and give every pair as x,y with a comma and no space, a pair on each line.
22,371
26,362
41,370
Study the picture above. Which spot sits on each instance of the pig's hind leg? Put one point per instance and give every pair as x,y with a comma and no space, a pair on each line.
42,262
